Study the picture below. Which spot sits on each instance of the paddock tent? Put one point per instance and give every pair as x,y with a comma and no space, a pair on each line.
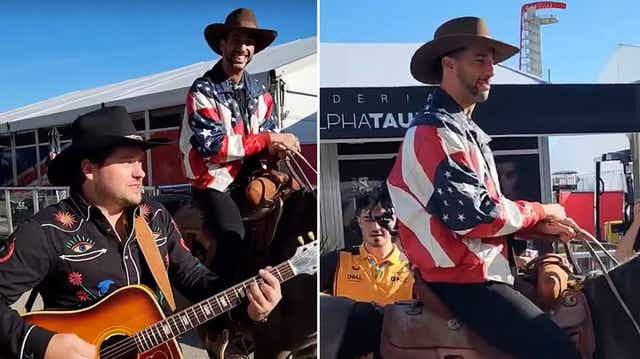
156,105
293,63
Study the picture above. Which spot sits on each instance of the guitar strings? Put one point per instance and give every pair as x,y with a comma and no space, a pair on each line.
153,332
128,344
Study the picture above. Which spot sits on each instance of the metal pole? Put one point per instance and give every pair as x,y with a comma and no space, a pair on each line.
634,145
7,200
37,157
546,189
596,216
34,198
147,135
14,158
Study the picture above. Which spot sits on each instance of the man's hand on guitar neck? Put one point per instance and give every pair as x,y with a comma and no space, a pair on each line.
69,346
263,299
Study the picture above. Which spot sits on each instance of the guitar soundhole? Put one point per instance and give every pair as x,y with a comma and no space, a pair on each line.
117,347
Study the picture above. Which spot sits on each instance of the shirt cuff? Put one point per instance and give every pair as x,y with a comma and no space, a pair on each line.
539,210
263,139
35,343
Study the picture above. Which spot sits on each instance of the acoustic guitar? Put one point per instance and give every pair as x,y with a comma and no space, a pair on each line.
129,323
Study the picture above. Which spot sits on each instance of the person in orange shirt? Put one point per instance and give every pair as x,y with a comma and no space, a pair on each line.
376,271
370,276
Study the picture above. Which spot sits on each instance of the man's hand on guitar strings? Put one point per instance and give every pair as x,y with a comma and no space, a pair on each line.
264,298
69,346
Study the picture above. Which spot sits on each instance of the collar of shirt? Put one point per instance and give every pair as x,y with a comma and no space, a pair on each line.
90,212
222,85
439,101
391,258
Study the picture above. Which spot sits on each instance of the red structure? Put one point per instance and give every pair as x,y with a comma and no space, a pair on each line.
579,206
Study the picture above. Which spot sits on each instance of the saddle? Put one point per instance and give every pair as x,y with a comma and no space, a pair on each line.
266,186
427,328
559,293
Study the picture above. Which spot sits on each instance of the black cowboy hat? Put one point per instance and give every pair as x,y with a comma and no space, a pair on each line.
97,130
450,36
239,19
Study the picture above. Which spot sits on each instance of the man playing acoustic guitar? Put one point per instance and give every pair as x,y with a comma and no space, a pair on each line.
85,247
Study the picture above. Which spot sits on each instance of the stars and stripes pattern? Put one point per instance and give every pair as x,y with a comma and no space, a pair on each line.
215,135
453,218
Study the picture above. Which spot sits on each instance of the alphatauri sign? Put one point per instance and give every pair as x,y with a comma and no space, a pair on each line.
386,112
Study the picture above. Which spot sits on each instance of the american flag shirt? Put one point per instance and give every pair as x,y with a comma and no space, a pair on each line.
453,219
218,132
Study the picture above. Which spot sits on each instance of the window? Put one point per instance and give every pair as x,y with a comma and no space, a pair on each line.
166,117
138,120
356,176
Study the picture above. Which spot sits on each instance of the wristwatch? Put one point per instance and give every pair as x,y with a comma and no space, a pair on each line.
263,320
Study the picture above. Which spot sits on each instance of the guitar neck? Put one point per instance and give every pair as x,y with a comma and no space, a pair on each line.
199,313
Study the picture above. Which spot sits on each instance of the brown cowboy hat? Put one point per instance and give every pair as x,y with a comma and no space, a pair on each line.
98,130
450,36
239,19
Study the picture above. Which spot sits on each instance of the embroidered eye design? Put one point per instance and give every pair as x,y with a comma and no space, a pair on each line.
80,244
82,247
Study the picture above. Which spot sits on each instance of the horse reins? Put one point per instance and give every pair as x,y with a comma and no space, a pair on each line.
587,239
296,169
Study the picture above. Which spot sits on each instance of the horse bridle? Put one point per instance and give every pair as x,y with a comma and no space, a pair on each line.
586,239
296,169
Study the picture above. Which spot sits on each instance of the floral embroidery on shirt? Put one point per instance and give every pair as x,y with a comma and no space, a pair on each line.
145,210
66,219
75,278
82,296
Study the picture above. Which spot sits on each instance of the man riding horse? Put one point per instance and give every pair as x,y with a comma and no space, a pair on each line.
453,218
228,121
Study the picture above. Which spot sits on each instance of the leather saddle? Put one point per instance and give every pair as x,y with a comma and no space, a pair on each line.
426,328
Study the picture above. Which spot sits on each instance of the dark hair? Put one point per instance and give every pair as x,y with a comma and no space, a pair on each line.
369,199
456,54
96,157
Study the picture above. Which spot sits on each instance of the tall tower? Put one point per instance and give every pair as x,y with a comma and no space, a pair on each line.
530,43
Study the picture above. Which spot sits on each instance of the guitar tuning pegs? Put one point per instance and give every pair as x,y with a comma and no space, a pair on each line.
311,236
301,240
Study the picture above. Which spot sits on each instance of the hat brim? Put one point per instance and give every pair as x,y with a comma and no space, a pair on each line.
216,32
424,63
61,169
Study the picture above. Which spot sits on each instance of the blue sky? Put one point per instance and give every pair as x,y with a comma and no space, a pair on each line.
575,49
49,48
